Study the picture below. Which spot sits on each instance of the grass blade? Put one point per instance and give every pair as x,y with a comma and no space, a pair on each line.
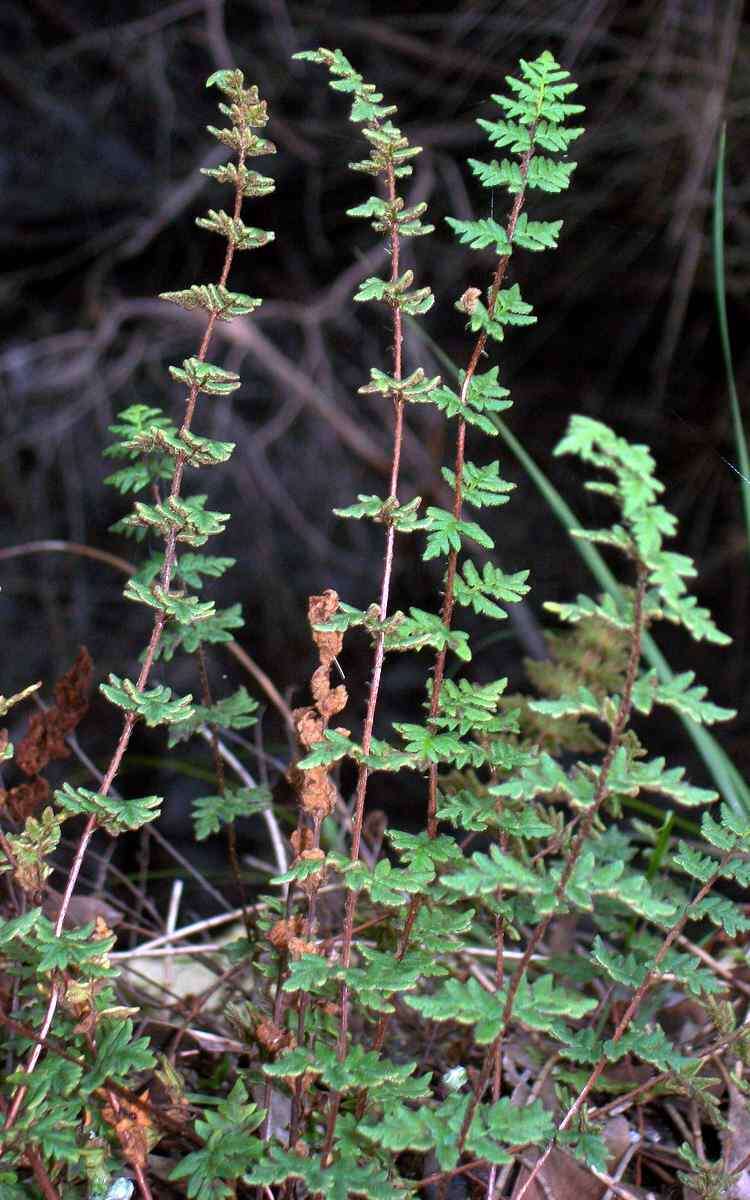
721,307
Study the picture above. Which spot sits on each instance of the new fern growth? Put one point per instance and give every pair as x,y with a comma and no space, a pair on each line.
339,1087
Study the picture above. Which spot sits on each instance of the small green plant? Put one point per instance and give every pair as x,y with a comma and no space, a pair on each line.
549,952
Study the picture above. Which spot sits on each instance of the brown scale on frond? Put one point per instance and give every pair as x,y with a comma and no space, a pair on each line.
283,931
301,839
314,787
319,610
25,799
133,1125
273,1039
317,794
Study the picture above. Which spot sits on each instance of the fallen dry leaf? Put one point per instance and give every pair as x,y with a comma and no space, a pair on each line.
81,909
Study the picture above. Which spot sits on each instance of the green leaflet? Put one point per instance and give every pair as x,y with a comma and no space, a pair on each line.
228,1149
211,812
414,388
205,377
382,977
118,1054
196,451
446,532
679,695
155,706
71,949
344,1178
481,591
465,706
482,486
215,628
498,1126
481,234
404,518
251,183
421,1129
387,885
396,293
536,235
541,1005
421,629
359,1069
242,237
484,398
111,814
543,173
188,519
237,711
213,298
184,609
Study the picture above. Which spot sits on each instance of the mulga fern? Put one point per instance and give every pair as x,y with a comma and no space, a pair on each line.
339,1028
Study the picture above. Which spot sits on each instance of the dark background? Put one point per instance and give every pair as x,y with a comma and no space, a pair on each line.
103,115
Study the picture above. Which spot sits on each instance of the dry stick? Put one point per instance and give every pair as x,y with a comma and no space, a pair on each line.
616,735
278,1014
200,1003
627,1016
464,1169
377,668
153,645
7,850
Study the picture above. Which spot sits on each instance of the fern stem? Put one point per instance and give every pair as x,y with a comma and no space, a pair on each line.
449,598
44,1183
616,734
390,541
449,595
497,1066
350,906
170,554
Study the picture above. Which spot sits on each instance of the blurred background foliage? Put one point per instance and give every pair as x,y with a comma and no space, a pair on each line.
103,110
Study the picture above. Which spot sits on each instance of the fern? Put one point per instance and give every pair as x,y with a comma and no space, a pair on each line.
403,987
